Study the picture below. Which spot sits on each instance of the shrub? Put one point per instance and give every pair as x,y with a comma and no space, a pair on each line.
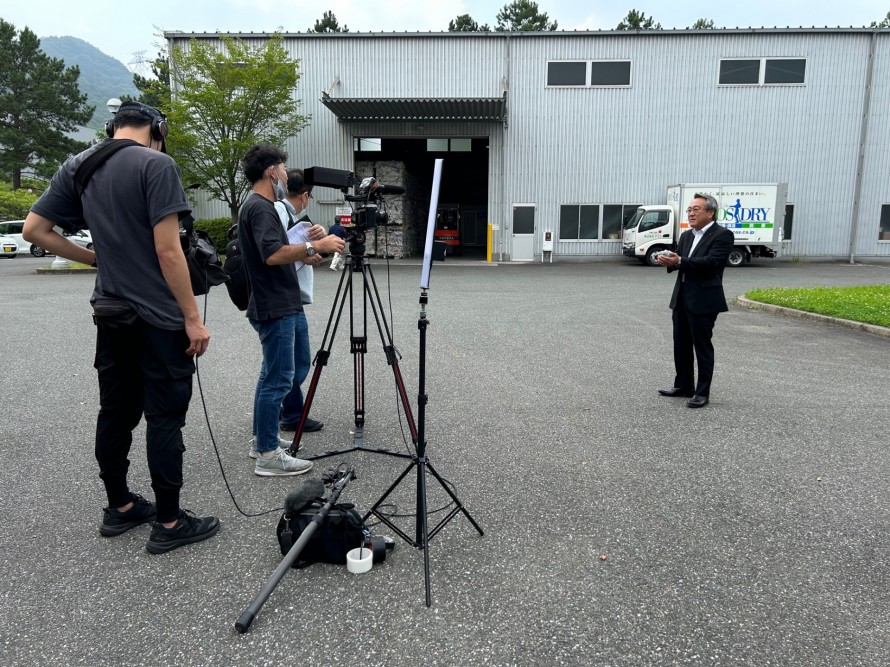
14,205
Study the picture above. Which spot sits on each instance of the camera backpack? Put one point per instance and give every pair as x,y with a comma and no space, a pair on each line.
237,285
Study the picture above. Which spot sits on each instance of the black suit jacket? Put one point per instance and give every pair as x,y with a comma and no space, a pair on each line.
700,276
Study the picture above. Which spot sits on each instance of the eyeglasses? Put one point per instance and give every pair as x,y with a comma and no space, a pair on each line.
695,209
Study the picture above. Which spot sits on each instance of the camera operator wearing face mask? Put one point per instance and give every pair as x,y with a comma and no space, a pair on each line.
292,213
275,309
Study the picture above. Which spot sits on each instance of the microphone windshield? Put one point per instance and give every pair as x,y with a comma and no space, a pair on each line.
307,491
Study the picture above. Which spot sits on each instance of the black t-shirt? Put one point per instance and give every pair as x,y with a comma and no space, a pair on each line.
128,195
274,289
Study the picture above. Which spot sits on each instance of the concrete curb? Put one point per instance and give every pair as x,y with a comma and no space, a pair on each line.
49,271
823,319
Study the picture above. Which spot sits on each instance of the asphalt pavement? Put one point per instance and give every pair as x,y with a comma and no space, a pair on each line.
621,528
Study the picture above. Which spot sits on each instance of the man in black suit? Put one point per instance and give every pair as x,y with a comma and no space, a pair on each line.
698,298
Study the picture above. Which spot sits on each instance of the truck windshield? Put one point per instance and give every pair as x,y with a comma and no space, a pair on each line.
634,220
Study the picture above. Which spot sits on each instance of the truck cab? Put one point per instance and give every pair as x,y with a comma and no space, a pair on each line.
648,232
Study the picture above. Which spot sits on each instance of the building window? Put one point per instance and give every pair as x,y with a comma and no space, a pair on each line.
739,72
441,145
361,144
560,73
610,73
762,71
884,233
593,222
785,70
789,222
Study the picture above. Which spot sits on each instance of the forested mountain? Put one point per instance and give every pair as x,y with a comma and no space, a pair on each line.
101,76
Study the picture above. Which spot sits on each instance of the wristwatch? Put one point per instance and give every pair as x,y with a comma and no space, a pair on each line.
310,249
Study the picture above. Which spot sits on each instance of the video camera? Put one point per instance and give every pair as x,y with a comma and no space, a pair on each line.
368,205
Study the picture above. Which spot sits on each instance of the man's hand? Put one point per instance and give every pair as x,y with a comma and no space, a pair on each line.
199,337
316,232
176,274
668,258
329,244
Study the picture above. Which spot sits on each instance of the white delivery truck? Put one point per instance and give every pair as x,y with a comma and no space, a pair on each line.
753,212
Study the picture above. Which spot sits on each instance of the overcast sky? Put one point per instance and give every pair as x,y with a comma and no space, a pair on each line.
124,30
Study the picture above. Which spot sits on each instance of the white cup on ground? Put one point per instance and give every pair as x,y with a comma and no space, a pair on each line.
359,560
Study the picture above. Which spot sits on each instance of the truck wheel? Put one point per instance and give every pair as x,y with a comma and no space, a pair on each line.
650,255
736,257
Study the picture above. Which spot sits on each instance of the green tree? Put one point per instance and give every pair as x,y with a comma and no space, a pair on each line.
638,21
40,101
465,23
328,23
703,24
224,101
883,23
155,91
523,15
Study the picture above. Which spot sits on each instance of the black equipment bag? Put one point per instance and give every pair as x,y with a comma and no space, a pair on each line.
237,285
341,531
205,267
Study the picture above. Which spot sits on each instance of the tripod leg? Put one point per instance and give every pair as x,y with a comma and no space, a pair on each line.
358,348
373,296
344,289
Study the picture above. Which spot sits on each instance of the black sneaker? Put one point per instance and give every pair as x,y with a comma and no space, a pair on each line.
188,529
115,522
310,426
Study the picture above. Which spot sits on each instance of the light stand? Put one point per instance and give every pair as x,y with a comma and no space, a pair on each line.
421,462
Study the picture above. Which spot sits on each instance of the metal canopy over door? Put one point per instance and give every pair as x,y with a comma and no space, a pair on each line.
523,232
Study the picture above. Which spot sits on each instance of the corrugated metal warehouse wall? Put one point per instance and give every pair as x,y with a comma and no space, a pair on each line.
625,145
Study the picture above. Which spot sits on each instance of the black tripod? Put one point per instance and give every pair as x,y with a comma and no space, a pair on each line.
358,262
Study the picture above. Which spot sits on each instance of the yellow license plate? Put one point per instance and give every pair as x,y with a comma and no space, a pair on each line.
9,248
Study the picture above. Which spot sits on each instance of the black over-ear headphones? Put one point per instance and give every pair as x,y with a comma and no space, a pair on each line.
158,120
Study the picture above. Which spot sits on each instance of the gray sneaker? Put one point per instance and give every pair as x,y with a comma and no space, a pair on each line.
283,443
280,464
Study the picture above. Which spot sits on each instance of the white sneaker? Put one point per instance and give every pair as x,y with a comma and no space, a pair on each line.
281,464
284,443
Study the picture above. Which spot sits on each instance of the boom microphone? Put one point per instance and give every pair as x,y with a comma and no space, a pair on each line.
303,495
389,189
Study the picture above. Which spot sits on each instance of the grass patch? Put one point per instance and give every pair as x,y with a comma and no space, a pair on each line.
869,304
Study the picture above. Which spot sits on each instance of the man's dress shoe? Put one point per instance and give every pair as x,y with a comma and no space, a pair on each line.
676,391
697,401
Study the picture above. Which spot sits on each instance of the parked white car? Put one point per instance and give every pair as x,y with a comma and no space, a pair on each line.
81,238
13,229
8,247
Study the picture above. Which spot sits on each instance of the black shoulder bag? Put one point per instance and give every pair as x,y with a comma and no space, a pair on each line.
341,531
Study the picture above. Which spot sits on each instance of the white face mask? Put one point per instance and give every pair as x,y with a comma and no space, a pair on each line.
279,190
